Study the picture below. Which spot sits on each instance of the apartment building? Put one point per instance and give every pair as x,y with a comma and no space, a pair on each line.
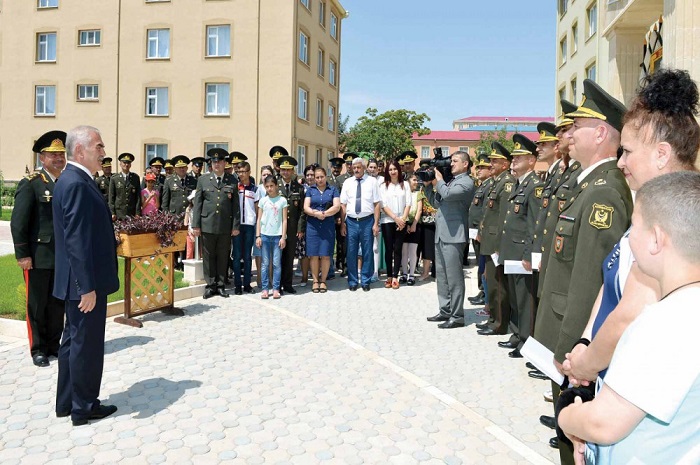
162,77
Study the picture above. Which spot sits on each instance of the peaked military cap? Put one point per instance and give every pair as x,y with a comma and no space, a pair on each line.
499,151
217,154
156,161
52,141
599,104
287,162
337,162
126,157
548,132
523,146
277,152
349,157
566,108
482,160
407,157
106,161
181,161
237,157
168,164
198,161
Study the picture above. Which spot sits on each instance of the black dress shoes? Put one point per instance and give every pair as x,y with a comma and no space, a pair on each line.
62,413
208,294
548,421
238,291
223,293
537,374
477,302
554,443
97,414
530,366
488,332
248,289
40,360
483,326
290,289
479,296
452,323
438,317
515,354
353,288
365,288
508,345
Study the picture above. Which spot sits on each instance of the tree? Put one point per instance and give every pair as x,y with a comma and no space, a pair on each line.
387,134
342,132
487,137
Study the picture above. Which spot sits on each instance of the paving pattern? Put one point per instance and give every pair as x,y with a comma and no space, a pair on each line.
338,378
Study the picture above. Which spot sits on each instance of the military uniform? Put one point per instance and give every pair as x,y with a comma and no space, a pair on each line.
31,226
175,192
296,222
340,245
103,180
125,192
476,209
216,213
490,234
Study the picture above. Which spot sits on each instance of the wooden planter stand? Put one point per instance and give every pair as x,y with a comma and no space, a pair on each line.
149,275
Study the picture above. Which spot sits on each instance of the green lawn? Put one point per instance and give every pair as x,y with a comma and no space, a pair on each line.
12,290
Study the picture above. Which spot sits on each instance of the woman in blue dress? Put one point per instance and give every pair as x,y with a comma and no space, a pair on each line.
322,202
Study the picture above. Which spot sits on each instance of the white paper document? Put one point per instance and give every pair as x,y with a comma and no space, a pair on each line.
514,267
536,260
542,358
473,233
494,257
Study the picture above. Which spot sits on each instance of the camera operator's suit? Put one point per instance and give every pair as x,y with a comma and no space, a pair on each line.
451,225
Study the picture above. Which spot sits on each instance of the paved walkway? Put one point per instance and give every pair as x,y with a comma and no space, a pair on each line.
340,378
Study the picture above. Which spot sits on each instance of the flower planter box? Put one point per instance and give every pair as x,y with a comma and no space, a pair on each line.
142,245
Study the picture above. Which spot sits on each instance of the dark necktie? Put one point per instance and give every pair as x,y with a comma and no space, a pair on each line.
286,188
358,197
218,180
182,182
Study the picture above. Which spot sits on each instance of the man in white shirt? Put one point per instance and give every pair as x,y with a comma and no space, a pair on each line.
359,201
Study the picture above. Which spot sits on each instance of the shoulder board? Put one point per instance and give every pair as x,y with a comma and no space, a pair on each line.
32,176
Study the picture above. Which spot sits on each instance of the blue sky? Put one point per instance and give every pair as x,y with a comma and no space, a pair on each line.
448,58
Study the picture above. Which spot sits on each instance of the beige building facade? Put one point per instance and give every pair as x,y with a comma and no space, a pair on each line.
162,78
616,42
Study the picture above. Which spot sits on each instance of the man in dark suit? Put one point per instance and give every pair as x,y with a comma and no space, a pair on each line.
86,273
32,233
451,233
216,218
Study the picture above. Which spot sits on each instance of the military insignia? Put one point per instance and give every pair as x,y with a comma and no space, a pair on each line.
517,146
558,244
601,216
545,202
561,205
476,201
516,209
538,192
491,203
230,196
296,203
508,187
600,182
44,178
584,185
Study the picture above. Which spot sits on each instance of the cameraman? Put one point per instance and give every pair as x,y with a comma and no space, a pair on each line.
451,239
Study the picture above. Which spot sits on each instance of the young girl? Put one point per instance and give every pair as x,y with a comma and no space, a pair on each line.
270,235
150,197
265,171
409,253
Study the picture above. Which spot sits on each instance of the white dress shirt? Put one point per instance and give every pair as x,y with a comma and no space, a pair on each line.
369,192
395,199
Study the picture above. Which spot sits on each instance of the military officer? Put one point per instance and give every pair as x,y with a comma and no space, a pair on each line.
31,226
516,240
124,190
169,168
340,245
216,218
177,187
591,220
290,188
277,152
197,164
348,158
336,169
476,212
490,238
407,161
156,165
103,181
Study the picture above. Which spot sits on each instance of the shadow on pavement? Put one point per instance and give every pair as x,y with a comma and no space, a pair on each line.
148,397
121,343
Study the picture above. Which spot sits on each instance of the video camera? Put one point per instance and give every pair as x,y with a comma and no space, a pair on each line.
441,162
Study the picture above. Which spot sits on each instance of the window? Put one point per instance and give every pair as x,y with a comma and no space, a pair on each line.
46,46
331,72
303,47
306,4
322,14
445,151
334,26
156,101
590,72
88,92
45,100
425,152
215,145
319,112
573,88
219,41
301,158
319,155
47,4
218,96
158,43
464,149
563,7
562,51
592,15
155,150
562,96
321,62
574,38
330,155
303,104
90,38
331,118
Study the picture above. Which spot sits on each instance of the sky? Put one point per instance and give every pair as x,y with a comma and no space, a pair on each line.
449,59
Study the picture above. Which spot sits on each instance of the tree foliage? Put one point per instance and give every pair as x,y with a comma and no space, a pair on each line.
342,132
387,134
487,137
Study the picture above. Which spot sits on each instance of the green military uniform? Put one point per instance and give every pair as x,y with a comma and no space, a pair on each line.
31,226
103,180
490,235
296,220
125,192
175,193
198,162
516,244
216,212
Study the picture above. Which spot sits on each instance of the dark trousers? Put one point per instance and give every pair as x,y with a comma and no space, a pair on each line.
215,257
393,245
288,258
479,261
44,312
521,297
499,304
242,247
81,359
339,249
566,451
